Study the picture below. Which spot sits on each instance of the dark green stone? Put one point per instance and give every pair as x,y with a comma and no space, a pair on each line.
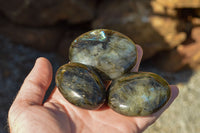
138,94
80,85
111,52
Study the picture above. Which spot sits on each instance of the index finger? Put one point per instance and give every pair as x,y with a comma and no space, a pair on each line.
139,54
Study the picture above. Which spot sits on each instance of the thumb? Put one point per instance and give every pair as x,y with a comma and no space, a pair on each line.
36,83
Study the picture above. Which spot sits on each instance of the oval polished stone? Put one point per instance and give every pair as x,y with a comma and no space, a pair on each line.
138,94
109,51
80,85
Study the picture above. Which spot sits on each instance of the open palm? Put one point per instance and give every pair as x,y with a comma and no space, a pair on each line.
28,113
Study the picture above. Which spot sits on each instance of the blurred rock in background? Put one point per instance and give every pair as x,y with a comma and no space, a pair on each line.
161,27
179,3
42,38
47,12
137,20
156,25
183,55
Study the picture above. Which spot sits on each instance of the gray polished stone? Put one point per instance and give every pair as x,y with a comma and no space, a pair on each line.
109,51
80,85
138,94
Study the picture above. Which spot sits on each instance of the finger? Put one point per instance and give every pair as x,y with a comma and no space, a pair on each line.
36,83
140,53
144,122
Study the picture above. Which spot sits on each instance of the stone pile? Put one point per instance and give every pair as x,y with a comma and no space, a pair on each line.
187,52
171,26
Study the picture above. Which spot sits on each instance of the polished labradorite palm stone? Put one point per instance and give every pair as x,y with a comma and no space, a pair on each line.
138,94
109,51
81,86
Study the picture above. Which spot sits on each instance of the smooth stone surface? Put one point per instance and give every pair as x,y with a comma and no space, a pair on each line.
80,85
138,94
109,51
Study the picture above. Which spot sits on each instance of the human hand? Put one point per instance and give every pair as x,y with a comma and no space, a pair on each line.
28,113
